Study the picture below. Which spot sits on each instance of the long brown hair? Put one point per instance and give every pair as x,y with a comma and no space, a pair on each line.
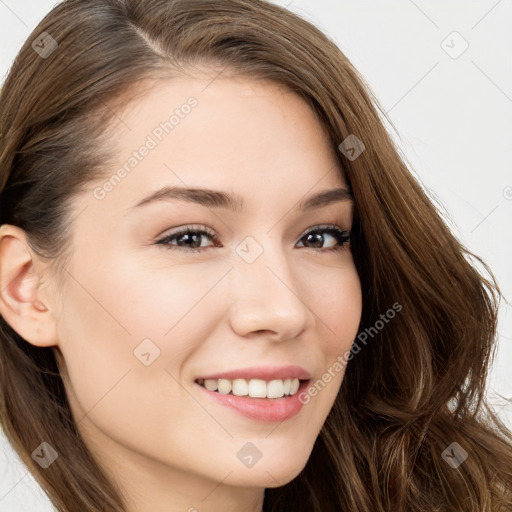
415,388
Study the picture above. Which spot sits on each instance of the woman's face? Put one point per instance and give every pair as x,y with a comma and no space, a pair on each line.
144,316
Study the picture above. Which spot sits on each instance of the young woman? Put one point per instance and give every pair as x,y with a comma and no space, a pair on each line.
221,288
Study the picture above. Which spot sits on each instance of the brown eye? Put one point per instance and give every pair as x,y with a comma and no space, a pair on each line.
189,239
315,237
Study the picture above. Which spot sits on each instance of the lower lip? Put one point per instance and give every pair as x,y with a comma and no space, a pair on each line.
261,409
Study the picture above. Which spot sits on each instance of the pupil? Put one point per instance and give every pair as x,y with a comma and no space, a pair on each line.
319,239
192,235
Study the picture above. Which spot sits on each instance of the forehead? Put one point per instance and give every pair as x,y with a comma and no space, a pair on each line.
243,135
228,111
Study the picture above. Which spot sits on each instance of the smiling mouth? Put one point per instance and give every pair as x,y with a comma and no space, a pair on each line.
253,388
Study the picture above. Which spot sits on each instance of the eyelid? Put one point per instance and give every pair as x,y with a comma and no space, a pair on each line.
186,228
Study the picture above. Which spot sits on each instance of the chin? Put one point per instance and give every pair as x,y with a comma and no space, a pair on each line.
275,473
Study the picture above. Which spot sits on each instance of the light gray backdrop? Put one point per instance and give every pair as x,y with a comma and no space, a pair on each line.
442,70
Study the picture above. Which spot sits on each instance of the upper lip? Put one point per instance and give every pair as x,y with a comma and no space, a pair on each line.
262,372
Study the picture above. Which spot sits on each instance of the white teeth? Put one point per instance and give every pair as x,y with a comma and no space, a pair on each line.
240,387
294,386
211,384
255,388
275,389
224,386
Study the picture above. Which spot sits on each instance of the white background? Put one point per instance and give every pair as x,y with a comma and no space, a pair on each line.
453,117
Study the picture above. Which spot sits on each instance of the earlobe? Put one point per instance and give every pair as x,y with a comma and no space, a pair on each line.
21,302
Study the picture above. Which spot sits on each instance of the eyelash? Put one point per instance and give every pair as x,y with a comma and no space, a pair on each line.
343,236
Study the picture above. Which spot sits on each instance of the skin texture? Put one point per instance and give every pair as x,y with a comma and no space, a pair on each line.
170,447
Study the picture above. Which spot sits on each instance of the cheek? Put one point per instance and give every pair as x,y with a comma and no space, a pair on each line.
111,320
160,298
128,302
338,305
105,333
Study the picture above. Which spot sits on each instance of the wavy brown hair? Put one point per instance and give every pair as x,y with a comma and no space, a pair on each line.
406,396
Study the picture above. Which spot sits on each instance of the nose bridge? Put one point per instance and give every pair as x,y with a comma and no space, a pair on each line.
265,290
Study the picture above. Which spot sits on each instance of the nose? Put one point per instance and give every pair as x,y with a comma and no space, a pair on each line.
268,299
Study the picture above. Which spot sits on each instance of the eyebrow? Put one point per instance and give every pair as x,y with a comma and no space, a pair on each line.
218,199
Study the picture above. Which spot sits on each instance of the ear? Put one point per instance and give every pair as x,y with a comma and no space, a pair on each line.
23,302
